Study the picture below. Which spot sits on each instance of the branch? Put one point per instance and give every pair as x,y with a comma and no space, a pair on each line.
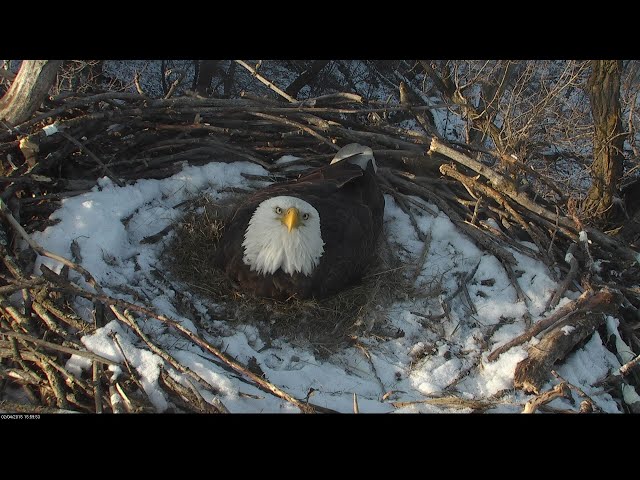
94,157
59,348
265,81
499,182
541,325
531,373
573,271
561,390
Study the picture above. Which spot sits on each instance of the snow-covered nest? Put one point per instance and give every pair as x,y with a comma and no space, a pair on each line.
464,298
427,353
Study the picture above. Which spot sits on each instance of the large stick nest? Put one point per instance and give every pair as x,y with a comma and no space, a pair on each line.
128,136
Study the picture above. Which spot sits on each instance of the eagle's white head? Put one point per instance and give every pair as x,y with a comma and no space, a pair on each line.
284,232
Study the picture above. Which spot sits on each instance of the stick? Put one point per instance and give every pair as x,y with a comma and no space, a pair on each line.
559,391
573,271
423,257
485,190
541,325
94,157
475,233
591,404
59,348
467,278
16,285
499,182
238,367
626,368
531,373
115,400
174,85
266,82
97,387
300,126
128,320
450,402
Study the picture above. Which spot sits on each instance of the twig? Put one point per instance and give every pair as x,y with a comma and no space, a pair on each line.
367,355
115,400
204,405
412,219
423,257
134,377
24,322
467,278
522,297
175,84
559,391
94,157
476,209
128,404
467,296
136,82
573,271
593,406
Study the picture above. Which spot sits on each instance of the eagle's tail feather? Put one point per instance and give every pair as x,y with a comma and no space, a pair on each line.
356,154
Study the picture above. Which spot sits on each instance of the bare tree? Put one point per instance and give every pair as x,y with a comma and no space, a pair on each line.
604,95
306,77
28,90
206,70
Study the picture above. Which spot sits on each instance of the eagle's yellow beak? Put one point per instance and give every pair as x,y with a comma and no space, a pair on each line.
291,218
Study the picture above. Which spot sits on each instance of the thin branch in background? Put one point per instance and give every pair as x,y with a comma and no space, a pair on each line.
269,84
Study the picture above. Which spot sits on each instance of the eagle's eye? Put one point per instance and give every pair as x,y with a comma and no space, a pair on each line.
278,210
305,216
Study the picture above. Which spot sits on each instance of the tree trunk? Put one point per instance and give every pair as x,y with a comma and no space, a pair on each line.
603,88
306,77
205,74
28,90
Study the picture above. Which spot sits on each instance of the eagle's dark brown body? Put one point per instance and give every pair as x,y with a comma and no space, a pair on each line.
350,205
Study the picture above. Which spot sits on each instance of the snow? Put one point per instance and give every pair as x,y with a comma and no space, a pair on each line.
430,358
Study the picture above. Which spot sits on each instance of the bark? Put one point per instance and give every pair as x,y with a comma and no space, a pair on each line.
306,77
532,372
28,90
205,73
603,88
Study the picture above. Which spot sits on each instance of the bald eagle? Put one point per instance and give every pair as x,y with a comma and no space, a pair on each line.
309,237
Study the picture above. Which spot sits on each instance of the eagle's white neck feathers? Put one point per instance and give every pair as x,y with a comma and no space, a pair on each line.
269,245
